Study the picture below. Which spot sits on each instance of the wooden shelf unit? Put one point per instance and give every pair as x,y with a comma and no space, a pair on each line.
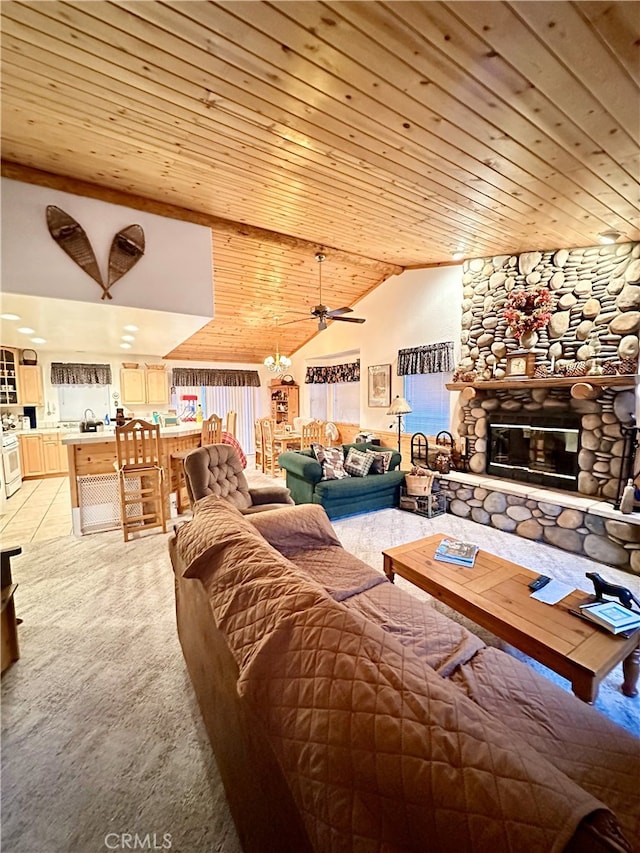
284,403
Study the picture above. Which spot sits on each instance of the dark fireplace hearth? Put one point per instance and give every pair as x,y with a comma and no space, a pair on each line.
535,449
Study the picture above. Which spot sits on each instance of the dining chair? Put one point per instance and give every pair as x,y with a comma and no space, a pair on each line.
271,447
232,423
210,433
312,433
259,445
141,477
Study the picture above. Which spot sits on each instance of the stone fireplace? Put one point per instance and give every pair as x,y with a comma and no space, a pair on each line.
599,439
569,415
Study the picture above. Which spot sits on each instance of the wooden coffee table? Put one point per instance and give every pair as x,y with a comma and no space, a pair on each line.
495,594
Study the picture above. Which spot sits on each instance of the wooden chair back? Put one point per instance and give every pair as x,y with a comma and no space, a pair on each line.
259,444
312,433
211,431
138,445
270,446
232,423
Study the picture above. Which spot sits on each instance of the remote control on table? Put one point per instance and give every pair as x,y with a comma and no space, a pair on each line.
539,582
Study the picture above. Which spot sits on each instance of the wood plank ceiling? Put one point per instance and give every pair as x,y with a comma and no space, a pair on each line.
386,134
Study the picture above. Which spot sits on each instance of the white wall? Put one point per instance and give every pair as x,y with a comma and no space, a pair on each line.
33,264
416,308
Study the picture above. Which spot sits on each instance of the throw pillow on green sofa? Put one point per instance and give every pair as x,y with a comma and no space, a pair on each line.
380,461
332,461
358,463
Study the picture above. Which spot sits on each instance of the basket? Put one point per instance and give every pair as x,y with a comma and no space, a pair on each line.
130,365
416,485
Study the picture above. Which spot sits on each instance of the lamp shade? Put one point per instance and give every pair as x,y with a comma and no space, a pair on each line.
399,406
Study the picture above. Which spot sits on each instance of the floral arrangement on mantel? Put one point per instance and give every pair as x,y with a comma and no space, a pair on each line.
527,311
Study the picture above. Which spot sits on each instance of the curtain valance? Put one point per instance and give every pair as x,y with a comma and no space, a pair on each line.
80,374
434,358
333,373
192,376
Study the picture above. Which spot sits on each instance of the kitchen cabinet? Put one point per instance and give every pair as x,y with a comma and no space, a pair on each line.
30,388
132,386
157,387
55,454
31,455
284,403
43,454
139,387
8,376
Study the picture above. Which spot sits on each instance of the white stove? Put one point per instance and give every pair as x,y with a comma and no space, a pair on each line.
11,462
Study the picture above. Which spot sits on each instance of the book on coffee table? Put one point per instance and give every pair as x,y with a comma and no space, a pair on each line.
611,615
457,552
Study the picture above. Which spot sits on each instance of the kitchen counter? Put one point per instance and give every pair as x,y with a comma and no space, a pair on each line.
108,434
95,496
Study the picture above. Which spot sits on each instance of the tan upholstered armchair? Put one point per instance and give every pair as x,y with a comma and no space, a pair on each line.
216,470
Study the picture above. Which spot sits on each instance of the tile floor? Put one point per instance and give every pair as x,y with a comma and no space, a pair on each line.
40,510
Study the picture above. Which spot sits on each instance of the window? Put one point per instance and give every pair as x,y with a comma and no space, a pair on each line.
429,401
218,400
73,400
318,401
346,402
336,401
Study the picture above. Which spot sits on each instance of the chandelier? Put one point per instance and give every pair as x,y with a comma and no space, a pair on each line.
277,363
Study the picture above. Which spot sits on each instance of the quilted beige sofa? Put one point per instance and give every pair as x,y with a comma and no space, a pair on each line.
347,715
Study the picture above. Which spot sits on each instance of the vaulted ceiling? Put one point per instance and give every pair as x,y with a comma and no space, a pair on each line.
386,135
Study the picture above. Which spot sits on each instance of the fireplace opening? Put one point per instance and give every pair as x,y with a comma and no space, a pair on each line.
540,450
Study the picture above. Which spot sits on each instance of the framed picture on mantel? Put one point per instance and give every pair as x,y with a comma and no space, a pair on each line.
380,385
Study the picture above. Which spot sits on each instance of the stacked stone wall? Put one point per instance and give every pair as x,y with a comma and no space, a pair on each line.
597,307
611,541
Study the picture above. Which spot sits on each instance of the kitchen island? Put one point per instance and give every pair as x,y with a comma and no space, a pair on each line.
93,477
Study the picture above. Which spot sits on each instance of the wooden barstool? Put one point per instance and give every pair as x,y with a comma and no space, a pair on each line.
211,433
141,477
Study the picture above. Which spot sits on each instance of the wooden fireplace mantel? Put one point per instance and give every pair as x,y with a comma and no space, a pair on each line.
525,383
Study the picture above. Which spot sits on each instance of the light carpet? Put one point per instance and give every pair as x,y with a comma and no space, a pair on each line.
101,733
368,535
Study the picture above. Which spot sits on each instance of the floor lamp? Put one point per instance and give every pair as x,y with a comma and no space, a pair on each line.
399,407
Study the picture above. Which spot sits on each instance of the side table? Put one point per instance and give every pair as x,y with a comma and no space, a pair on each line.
10,650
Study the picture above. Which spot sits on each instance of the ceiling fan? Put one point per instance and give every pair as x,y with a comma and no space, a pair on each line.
321,312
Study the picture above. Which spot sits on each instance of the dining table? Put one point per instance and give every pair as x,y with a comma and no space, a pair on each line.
288,440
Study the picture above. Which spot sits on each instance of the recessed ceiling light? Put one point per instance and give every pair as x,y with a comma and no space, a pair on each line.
131,328
128,338
457,256
26,330
38,340
608,237
9,316
125,346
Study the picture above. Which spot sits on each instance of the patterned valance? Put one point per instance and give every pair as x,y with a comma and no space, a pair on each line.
434,358
193,376
333,373
80,374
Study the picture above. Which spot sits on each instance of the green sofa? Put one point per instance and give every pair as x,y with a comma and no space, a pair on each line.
348,496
